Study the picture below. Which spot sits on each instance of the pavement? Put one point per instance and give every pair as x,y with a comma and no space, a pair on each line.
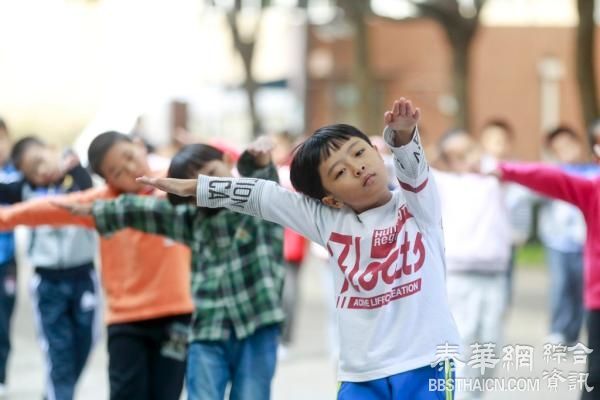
307,371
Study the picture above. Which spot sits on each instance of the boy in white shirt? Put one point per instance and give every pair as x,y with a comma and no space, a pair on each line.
386,247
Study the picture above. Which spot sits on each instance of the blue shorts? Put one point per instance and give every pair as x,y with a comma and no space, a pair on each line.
426,383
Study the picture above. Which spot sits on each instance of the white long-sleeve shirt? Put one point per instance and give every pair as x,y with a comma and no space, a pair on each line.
389,262
476,222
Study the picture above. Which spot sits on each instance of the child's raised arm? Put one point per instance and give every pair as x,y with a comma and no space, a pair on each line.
410,165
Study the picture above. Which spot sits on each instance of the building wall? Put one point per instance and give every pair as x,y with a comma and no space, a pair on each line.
413,60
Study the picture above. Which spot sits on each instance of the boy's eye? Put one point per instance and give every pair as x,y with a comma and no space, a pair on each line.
340,173
360,152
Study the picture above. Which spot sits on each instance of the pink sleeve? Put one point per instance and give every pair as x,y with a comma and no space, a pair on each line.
551,181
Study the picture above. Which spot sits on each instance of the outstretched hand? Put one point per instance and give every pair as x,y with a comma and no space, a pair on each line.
402,118
75,208
180,187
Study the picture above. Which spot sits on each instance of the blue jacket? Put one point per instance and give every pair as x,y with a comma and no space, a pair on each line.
8,174
55,247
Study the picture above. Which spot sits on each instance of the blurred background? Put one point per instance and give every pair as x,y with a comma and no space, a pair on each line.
234,69
231,70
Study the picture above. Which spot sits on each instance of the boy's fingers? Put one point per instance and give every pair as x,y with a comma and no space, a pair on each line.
396,108
402,107
417,114
409,109
387,117
147,180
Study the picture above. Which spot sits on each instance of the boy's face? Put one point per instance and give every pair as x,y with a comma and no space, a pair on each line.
462,153
496,142
41,165
566,149
122,164
5,145
355,175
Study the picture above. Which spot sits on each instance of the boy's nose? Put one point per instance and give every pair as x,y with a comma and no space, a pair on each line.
131,168
359,170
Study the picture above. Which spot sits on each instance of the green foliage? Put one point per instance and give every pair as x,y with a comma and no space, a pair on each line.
531,255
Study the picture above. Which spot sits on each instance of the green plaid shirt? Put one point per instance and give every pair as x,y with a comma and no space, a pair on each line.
237,260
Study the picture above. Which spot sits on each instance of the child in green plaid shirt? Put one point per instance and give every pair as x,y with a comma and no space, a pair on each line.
237,275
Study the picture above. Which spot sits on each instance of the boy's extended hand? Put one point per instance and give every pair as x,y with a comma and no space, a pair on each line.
402,119
75,209
261,149
180,187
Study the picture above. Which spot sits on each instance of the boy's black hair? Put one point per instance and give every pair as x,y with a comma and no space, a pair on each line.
561,130
186,164
101,145
19,149
502,124
308,156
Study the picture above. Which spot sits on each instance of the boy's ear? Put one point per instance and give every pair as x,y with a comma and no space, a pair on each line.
330,201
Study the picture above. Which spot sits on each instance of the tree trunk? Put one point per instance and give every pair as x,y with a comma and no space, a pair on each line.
460,81
370,116
586,77
246,52
460,32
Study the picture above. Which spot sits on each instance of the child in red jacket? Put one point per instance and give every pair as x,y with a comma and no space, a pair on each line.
584,193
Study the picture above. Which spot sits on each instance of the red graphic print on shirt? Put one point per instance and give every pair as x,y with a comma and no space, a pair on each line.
403,254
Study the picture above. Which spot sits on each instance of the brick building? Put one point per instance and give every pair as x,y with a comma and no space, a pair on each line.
525,75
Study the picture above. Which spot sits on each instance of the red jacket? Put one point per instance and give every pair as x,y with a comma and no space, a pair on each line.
582,192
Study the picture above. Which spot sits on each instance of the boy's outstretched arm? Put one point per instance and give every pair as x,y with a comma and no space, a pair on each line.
410,165
43,211
147,214
550,181
261,198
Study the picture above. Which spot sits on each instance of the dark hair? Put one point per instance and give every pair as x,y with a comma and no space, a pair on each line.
502,124
101,145
22,145
561,130
3,126
304,170
187,162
